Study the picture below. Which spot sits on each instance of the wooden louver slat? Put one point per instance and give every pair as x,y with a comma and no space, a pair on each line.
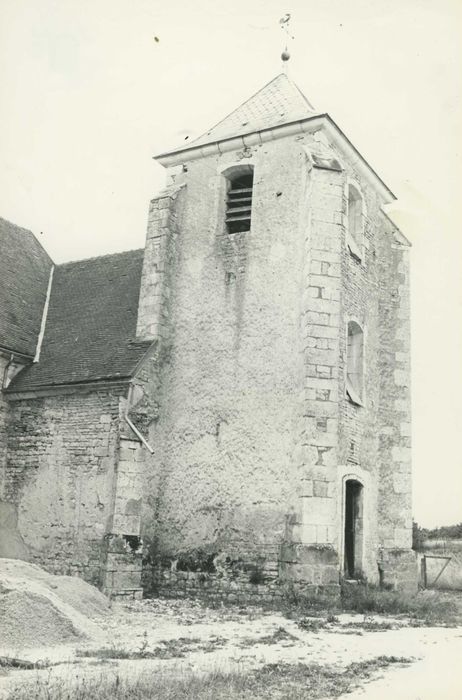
239,206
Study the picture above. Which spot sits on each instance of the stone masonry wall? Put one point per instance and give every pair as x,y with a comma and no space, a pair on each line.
312,553
344,436
395,482
62,453
361,282
123,544
240,588
160,252
3,424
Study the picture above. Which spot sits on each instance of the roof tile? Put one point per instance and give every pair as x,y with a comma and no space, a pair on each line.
24,273
91,323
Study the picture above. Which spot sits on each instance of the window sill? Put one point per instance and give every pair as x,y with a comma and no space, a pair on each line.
352,395
354,248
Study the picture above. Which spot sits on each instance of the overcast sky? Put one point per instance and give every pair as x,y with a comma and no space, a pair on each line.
88,95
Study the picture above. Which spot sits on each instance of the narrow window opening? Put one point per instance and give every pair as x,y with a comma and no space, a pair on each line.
355,222
354,529
239,203
355,351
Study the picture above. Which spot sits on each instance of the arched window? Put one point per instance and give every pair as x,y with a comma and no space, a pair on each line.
239,198
355,221
355,361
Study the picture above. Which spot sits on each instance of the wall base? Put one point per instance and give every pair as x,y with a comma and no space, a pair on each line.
122,568
398,569
239,589
316,565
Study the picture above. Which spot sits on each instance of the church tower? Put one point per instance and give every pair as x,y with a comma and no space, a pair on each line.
276,290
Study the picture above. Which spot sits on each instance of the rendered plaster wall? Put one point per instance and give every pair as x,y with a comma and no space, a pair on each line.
224,473
62,452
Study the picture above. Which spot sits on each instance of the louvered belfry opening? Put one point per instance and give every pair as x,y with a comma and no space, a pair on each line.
239,202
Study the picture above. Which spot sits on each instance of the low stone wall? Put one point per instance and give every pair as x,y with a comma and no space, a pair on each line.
241,589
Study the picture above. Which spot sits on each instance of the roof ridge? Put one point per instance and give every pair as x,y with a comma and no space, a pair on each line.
233,111
100,257
294,84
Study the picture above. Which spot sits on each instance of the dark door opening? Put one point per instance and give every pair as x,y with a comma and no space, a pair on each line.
353,529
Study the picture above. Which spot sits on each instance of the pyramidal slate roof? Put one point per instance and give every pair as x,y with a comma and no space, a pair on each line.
24,273
279,102
91,324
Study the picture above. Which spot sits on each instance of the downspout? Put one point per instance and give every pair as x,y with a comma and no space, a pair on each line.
133,427
5,381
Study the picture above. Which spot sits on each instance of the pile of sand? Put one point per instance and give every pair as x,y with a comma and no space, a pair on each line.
37,608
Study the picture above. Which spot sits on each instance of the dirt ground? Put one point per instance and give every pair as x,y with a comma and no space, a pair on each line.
184,635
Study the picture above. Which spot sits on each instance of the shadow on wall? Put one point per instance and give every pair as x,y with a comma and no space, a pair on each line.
11,543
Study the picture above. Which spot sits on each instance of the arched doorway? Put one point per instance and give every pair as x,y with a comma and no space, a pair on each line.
353,529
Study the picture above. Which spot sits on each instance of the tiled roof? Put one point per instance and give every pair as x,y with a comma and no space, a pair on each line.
24,273
278,102
91,323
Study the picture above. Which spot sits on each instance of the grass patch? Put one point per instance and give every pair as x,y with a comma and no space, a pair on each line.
369,625
332,624
429,608
166,649
270,682
365,599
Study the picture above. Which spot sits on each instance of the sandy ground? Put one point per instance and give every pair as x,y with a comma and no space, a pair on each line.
186,636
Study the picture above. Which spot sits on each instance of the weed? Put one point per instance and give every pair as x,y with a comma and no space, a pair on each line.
279,635
144,644
332,619
309,625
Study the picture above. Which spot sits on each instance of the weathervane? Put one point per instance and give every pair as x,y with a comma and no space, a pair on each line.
284,24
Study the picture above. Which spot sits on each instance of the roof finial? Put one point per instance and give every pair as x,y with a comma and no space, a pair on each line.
285,55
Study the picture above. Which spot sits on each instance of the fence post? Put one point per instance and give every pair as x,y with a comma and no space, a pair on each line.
423,569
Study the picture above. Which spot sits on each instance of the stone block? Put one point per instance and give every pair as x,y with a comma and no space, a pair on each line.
320,489
126,524
308,534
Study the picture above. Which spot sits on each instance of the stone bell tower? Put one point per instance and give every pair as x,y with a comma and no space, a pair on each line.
277,290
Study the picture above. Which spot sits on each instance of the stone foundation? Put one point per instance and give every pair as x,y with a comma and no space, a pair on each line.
122,568
315,565
241,590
